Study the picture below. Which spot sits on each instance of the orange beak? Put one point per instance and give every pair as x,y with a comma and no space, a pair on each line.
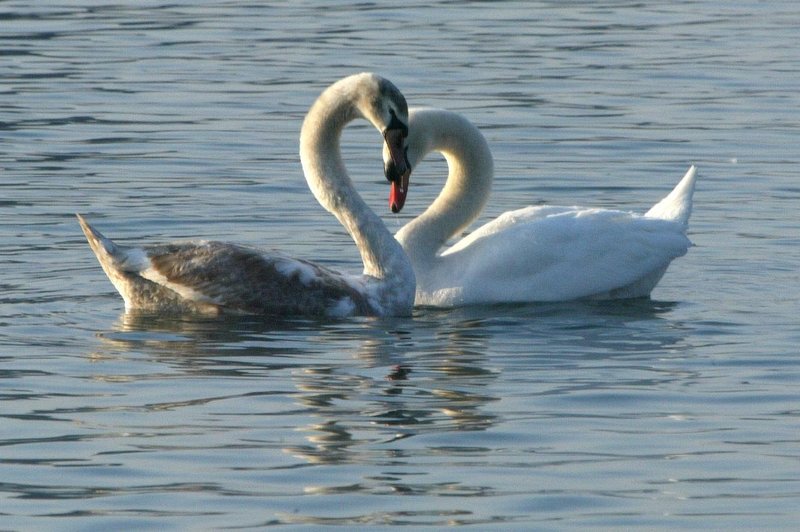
398,171
398,192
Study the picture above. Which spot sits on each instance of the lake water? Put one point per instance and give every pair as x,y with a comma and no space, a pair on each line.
169,120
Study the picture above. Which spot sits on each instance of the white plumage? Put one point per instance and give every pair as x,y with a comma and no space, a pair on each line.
543,253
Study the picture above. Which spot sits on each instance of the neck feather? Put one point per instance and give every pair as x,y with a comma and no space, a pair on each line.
330,183
469,180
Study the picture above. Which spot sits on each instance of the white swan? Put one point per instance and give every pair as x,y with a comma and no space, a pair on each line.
218,277
532,254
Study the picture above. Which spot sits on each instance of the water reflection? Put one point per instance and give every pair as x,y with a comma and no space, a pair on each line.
386,396
190,336
365,383
442,386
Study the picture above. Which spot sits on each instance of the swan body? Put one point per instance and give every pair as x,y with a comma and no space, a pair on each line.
214,277
542,253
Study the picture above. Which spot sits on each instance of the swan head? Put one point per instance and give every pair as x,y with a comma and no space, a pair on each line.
380,102
469,159
396,166
388,111
373,98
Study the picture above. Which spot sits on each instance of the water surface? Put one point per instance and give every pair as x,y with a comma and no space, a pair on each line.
175,120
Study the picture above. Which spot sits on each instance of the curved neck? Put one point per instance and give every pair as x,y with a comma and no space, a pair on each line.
328,180
469,179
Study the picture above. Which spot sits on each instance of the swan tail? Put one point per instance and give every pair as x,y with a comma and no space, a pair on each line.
114,257
103,247
677,205
121,265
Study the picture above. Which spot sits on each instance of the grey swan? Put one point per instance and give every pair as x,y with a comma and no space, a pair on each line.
218,277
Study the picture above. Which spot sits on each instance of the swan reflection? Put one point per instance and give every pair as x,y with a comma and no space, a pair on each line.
380,392
359,418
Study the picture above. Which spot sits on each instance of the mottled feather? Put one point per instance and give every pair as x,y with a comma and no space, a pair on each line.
249,280
214,277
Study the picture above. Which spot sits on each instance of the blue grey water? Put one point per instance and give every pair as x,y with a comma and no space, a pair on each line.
168,120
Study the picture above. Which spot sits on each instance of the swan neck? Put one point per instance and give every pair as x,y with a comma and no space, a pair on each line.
466,191
331,185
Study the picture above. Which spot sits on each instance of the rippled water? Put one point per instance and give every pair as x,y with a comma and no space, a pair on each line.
173,120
